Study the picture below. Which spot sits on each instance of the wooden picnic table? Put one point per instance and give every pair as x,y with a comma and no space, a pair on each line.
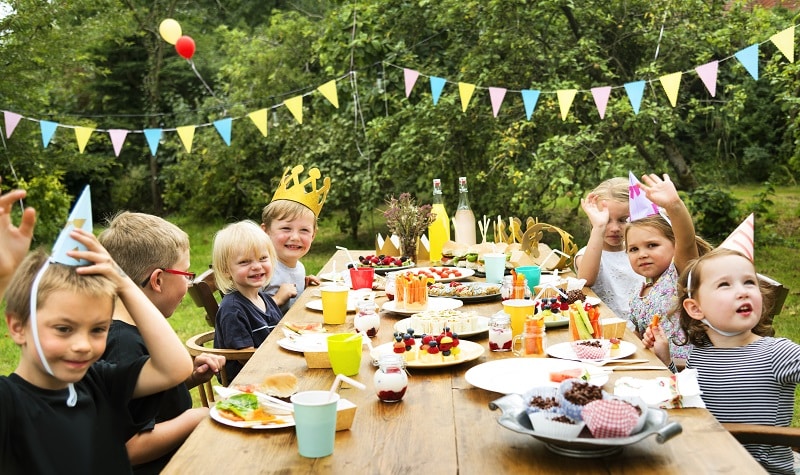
443,425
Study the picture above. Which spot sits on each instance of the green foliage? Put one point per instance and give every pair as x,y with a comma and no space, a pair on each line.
48,196
714,212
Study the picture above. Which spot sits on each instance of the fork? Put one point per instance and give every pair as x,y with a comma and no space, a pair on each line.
610,361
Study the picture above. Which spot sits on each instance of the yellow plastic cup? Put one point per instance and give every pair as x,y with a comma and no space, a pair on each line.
334,304
344,351
519,309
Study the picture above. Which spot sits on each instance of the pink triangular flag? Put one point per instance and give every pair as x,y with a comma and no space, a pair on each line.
12,119
600,95
497,94
117,139
742,238
640,206
708,74
411,78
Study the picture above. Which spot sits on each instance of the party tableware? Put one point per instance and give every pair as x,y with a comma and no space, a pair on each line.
469,351
483,325
517,375
334,304
565,351
434,303
344,351
315,422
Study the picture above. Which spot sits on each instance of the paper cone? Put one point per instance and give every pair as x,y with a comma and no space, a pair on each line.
640,205
80,217
742,238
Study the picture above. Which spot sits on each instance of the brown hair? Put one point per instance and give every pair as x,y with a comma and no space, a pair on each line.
661,225
695,330
238,238
284,209
56,277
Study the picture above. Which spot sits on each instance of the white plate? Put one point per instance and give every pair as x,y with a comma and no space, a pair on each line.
474,298
483,326
469,352
288,421
564,351
337,277
317,305
386,270
465,273
434,303
593,301
308,342
557,323
518,375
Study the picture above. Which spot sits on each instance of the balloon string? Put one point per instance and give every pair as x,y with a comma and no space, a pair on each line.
197,73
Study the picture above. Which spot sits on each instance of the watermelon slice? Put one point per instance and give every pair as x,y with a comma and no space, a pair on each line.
558,376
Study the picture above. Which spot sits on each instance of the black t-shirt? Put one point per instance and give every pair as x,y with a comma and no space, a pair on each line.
40,434
125,343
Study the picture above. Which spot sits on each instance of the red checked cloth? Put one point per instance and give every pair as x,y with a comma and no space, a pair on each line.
610,418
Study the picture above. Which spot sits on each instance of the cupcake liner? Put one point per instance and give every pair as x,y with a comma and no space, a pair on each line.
543,424
642,411
585,352
610,418
544,392
569,408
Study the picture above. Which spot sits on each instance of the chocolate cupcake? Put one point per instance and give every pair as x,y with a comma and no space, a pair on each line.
591,349
556,425
610,418
574,394
542,399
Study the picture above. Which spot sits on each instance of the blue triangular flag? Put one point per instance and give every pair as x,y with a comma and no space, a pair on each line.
437,84
530,97
80,217
153,136
48,129
224,128
635,92
749,59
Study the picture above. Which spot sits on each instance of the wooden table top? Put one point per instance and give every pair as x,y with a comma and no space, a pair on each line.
442,426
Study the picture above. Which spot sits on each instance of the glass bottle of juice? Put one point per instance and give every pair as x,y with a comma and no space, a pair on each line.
464,218
439,230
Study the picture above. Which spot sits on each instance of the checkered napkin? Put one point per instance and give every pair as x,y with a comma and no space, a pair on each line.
676,391
608,418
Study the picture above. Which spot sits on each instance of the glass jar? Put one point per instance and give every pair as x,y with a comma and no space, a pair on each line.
507,287
500,332
391,380
367,319
533,341
390,286
511,290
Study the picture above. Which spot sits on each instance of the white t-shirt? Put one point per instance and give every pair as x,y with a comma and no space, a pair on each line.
616,281
282,274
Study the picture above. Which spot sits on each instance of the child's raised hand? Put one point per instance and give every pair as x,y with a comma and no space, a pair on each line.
14,241
655,338
596,209
103,264
660,191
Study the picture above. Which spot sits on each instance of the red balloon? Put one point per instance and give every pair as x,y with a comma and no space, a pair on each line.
185,46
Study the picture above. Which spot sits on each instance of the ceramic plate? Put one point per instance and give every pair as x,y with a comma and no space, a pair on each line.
434,303
469,352
474,298
564,351
517,375
317,305
465,273
303,343
557,323
483,326
386,270
288,421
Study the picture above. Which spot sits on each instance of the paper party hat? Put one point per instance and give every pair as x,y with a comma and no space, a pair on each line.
640,205
742,238
80,217
292,189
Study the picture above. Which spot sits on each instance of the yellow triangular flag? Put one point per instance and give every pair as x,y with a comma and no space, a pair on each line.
259,118
565,98
186,133
465,90
329,91
82,134
671,83
785,42
295,106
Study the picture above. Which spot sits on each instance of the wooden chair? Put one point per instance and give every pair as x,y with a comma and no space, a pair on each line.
202,291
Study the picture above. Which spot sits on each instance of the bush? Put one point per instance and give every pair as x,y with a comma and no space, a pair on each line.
714,212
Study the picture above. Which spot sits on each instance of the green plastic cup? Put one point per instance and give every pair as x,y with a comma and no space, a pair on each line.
315,422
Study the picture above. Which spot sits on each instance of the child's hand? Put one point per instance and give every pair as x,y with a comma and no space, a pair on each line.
655,338
103,264
661,192
596,209
285,292
206,366
14,241
312,280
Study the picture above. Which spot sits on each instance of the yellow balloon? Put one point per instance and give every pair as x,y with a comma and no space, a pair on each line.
170,30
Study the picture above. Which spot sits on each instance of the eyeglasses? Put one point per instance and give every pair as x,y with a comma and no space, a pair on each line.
189,275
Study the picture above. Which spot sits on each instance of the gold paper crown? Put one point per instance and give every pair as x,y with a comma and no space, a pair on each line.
292,189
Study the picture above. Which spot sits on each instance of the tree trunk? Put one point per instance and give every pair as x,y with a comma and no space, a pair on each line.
683,176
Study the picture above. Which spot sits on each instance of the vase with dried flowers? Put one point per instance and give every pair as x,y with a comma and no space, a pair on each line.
408,221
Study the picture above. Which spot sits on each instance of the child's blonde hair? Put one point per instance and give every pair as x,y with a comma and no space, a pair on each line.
236,239
661,225
141,243
56,277
285,209
615,189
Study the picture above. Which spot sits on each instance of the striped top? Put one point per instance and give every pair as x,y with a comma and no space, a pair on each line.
752,384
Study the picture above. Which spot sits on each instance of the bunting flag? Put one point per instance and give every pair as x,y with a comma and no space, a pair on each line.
117,139
497,94
529,98
82,135
48,129
153,137
295,106
785,42
223,126
329,91
186,133
600,95
708,74
465,91
742,238
749,59
259,118
410,77
565,98
671,83
635,92
437,84
12,119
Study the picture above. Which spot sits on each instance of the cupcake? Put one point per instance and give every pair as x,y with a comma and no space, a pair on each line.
574,394
556,425
591,349
610,418
542,399
641,410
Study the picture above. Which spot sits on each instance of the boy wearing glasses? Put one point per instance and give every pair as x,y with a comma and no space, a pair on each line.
155,253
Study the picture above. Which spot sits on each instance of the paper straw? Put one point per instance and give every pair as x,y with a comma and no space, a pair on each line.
339,379
352,261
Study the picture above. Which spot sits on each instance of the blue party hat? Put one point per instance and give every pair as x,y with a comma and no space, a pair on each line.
80,217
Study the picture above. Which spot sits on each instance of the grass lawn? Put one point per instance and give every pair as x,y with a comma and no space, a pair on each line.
776,258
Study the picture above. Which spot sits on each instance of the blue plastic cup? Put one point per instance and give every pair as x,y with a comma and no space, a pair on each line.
315,422
533,274
495,266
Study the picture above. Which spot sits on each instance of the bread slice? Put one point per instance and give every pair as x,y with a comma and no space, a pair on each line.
280,384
